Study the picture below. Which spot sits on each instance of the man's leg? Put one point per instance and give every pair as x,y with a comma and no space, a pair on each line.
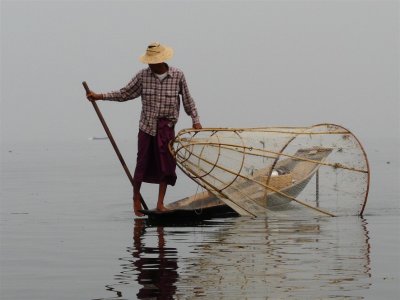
136,198
141,165
161,194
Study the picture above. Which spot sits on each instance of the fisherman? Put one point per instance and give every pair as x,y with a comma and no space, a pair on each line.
160,87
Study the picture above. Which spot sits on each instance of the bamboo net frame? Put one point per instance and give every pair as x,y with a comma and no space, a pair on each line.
219,160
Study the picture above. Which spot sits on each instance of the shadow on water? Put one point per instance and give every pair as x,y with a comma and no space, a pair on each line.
242,258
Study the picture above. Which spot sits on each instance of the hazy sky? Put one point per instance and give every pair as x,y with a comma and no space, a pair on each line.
248,63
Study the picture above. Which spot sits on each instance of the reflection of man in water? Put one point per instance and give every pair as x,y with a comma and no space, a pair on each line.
156,274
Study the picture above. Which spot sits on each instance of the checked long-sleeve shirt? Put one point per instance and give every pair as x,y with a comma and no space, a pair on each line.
160,98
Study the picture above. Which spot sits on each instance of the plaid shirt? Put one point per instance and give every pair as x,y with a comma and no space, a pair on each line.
160,99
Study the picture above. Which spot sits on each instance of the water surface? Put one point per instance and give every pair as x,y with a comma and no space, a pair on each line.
67,232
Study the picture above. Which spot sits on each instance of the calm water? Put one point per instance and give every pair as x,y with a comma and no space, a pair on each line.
67,232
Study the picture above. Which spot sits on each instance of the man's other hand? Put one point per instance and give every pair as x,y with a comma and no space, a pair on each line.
197,126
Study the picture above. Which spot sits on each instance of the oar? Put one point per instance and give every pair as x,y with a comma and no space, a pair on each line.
121,159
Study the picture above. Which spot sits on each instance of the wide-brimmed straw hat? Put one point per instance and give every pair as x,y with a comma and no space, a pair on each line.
156,53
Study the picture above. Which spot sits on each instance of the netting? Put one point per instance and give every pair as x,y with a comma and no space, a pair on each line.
257,171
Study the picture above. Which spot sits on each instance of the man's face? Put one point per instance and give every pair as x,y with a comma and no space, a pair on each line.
157,68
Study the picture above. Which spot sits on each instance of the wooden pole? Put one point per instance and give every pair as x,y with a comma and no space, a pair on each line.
121,159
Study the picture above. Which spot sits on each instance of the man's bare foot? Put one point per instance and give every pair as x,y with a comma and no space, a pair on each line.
162,208
138,213
136,207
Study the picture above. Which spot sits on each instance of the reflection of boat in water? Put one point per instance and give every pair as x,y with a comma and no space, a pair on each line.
247,258
273,190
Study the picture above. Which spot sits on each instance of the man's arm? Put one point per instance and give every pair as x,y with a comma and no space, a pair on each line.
189,104
131,91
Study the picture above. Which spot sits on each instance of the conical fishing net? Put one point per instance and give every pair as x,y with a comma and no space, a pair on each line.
257,171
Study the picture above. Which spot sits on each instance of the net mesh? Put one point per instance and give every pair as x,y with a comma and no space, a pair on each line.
260,171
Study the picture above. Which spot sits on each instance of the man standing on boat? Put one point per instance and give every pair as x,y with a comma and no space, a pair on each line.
160,87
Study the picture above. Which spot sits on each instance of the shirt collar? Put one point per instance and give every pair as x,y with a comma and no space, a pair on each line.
169,72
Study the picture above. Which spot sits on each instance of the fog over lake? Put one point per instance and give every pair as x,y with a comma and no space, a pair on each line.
247,63
66,226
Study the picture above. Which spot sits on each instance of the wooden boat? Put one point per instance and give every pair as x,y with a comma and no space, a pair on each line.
293,175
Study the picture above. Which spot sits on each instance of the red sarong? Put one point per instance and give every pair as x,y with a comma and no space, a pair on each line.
154,163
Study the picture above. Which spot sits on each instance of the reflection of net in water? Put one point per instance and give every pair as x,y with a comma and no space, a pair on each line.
271,258
267,170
